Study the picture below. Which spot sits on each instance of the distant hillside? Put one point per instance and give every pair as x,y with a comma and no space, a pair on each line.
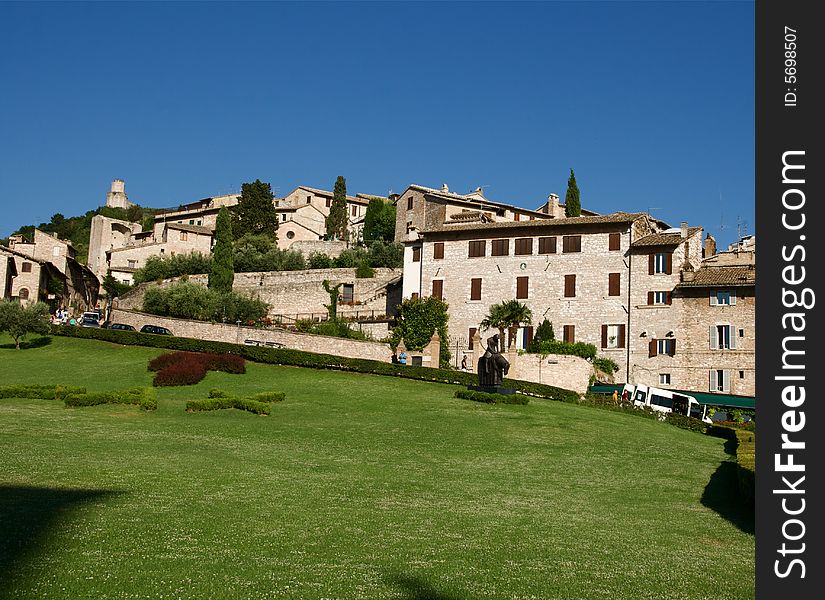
77,229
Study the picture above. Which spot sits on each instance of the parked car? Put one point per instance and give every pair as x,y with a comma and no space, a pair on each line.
89,319
156,329
121,327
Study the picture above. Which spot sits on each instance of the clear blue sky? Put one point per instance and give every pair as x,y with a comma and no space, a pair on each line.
651,103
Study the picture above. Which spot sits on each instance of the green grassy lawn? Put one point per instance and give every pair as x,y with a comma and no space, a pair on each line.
355,487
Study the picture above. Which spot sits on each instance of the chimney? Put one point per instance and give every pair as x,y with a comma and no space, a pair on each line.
552,204
445,187
684,229
710,246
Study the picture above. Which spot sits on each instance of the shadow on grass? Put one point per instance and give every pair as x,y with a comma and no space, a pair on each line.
722,495
37,342
418,588
27,514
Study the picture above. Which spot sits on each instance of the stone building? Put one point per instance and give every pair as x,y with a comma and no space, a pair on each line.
45,269
116,197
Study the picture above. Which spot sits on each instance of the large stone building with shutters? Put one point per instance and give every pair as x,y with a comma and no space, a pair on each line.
657,300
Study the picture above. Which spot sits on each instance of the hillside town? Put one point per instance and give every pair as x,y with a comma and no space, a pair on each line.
661,302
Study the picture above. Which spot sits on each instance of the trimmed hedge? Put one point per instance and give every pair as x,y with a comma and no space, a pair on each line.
143,397
188,368
259,408
491,398
267,397
745,442
43,392
297,358
685,422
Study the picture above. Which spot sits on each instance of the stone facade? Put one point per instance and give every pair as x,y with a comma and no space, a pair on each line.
237,335
116,196
22,278
108,234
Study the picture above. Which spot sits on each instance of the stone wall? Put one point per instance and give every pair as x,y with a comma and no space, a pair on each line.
331,248
233,334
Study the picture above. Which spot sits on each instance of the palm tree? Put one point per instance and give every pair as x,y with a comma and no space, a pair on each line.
509,315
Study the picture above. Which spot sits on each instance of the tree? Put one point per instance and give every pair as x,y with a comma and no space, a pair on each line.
255,212
19,321
112,286
379,221
509,315
572,204
332,307
418,319
222,273
337,221
544,332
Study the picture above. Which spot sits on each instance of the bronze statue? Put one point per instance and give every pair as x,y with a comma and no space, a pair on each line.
492,366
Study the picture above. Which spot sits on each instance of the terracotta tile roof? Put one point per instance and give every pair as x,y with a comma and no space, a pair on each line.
474,201
620,217
190,228
722,276
358,199
664,239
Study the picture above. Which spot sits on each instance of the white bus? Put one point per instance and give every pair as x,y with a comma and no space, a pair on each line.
665,401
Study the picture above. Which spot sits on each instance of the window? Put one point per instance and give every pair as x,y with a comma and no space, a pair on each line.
191,221
438,288
723,298
438,250
664,378
719,380
499,248
277,203
614,284
27,267
516,217
569,286
416,251
290,235
472,334
547,245
522,285
571,243
409,226
476,248
328,202
659,298
660,263
741,374
56,251
524,246
283,218
475,289
663,346
570,334
354,210
309,199
410,203
414,295
614,241
347,292
184,236
23,294
722,337
132,264
613,336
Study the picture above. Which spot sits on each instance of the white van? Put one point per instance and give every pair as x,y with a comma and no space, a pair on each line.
665,401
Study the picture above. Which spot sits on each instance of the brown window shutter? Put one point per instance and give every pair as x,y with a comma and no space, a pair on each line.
669,263
521,287
570,333
438,250
472,335
529,339
475,289
416,257
620,341
614,241
651,263
672,349
604,336
651,348
438,288
650,298
669,297
569,286
614,284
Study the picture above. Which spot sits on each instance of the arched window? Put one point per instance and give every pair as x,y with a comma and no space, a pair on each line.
24,293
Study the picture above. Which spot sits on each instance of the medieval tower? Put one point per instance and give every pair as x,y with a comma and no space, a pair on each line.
116,197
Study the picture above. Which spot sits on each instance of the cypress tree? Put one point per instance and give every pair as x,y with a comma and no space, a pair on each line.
255,212
222,273
337,220
572,204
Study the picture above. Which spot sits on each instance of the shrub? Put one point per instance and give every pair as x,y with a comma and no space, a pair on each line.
186,300
558,347
143,397
491,398
269,397
330,327
606,365
224,402
44,392
188,368
685,422
318,260
364,271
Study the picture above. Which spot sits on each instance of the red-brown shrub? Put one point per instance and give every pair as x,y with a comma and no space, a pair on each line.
188,368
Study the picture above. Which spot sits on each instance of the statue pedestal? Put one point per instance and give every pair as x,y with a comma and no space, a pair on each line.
491,389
